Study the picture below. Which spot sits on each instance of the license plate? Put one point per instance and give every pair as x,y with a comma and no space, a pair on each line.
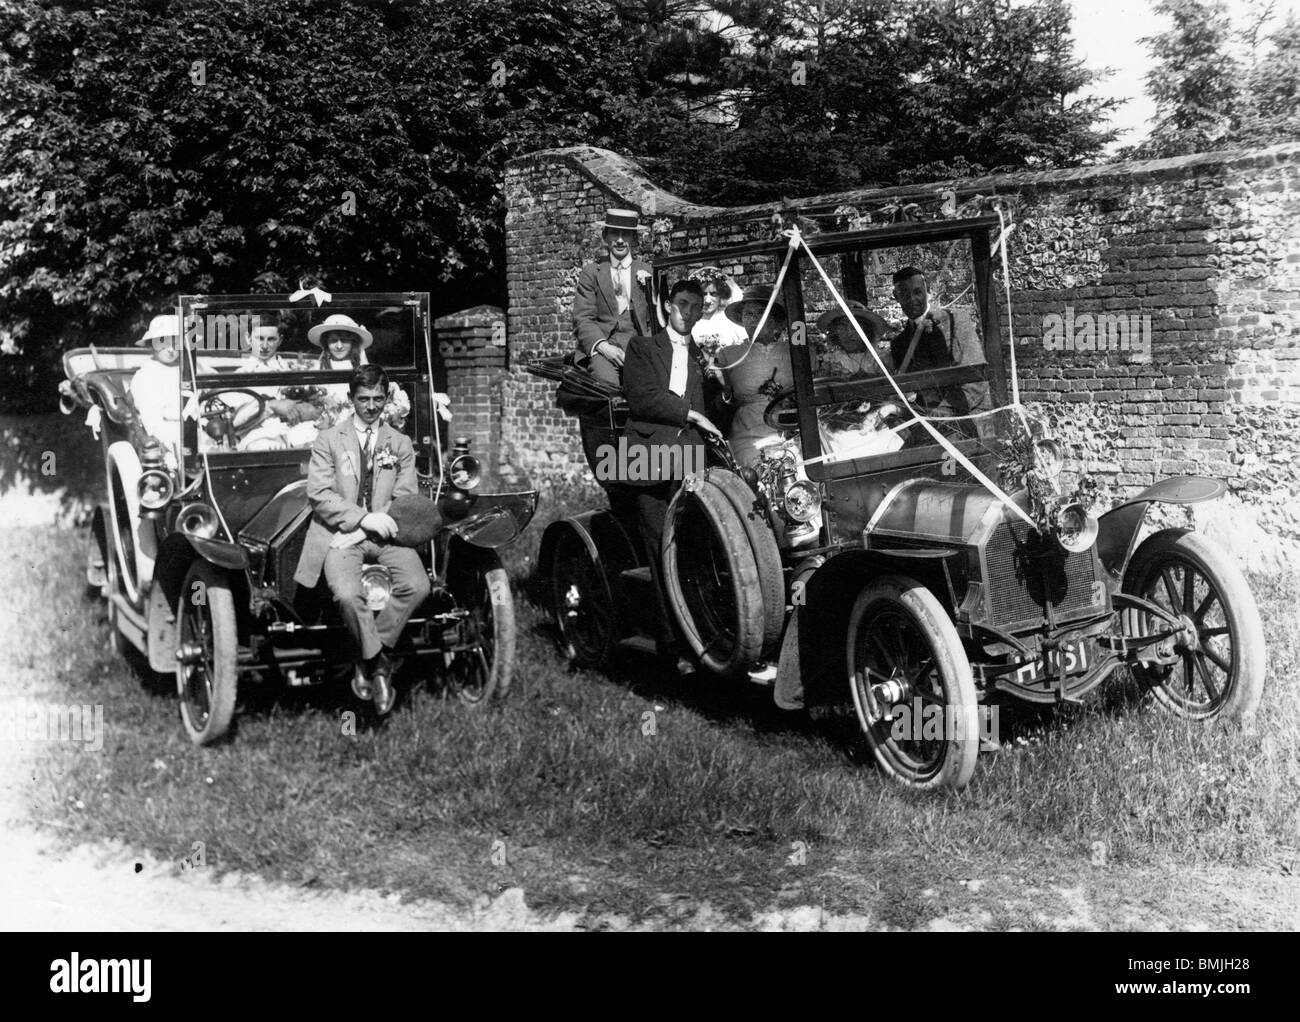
1074,654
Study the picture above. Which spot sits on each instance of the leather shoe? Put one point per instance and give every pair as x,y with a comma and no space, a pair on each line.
381,682
361,687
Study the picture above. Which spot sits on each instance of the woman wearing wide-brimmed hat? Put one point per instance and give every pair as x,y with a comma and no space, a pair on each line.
343,342
845,352
755,372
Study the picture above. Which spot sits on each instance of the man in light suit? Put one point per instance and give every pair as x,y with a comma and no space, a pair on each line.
611,306
666,387
357,468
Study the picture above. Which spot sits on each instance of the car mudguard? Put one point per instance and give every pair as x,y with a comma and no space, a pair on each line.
1118,528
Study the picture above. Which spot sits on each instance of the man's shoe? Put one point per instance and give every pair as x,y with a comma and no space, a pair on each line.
361,687
381,682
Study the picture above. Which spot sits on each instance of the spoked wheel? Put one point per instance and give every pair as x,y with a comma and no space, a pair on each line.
207,648
582,603
912,686
487,666
1220,646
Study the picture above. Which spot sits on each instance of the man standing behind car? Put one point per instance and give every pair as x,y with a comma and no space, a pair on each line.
610,307
357,468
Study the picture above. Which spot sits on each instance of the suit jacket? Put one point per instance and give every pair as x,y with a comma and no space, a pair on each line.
658,442
595,314
950,339
333,478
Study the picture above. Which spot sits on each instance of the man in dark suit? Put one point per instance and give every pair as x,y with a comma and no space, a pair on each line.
938,338
611,306
357,468
665,388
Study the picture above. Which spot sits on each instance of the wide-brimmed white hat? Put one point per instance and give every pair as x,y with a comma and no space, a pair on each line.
339,322
166,325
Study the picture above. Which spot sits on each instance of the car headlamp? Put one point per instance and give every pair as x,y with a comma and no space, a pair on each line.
1076,530
197,519
1049,457
376,586
464,472
802,501
154,489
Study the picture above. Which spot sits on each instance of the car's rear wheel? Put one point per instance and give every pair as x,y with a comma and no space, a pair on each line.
582,603
1220,647
487,667
912,686
711,579
207,644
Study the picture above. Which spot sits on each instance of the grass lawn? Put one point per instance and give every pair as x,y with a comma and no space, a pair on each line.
633,793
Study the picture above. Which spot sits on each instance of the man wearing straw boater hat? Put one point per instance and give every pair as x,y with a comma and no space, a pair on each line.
611,306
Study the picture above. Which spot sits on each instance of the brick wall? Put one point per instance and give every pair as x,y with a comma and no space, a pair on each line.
472,346
1206,246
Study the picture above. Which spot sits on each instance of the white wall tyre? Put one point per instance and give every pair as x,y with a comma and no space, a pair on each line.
133,539
487,671
902,643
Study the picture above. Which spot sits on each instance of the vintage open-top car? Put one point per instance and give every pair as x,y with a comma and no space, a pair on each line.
198,540
903,541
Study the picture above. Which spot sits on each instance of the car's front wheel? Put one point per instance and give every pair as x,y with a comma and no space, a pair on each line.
207,653
912,686
487,666
1219,671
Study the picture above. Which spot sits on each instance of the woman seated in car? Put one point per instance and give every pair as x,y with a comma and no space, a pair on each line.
756,371
343,343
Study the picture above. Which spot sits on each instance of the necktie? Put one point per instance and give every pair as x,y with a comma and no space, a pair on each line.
363,492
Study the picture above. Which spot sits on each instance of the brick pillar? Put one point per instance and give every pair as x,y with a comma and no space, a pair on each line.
472,344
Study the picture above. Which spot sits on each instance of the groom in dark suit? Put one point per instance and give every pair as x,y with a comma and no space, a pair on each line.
666,390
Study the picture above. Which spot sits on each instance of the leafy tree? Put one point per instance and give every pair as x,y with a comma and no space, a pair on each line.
1271,111
229,145
1193,80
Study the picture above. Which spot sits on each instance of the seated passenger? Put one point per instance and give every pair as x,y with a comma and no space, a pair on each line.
156,386
756,372
343,343
846,354
285,422
937,338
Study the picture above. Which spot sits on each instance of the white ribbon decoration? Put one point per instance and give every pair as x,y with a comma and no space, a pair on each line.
310,292
924,421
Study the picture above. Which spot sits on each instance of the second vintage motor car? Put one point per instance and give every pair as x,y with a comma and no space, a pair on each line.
199,536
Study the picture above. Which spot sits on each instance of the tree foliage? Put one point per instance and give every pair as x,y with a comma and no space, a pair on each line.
151,147
1217,86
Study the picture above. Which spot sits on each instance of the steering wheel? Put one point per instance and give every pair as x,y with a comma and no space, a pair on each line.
217,419
781,414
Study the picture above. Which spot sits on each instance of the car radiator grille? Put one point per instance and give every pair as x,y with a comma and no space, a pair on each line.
1018,587
285,561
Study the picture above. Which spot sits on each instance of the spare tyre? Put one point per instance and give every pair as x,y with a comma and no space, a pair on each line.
767,555
711,579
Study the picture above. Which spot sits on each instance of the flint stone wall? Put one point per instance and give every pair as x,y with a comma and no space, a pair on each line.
1207,246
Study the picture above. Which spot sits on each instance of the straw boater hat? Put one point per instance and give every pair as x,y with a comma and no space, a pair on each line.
339,322
873,326
166,325
621,220
760,293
